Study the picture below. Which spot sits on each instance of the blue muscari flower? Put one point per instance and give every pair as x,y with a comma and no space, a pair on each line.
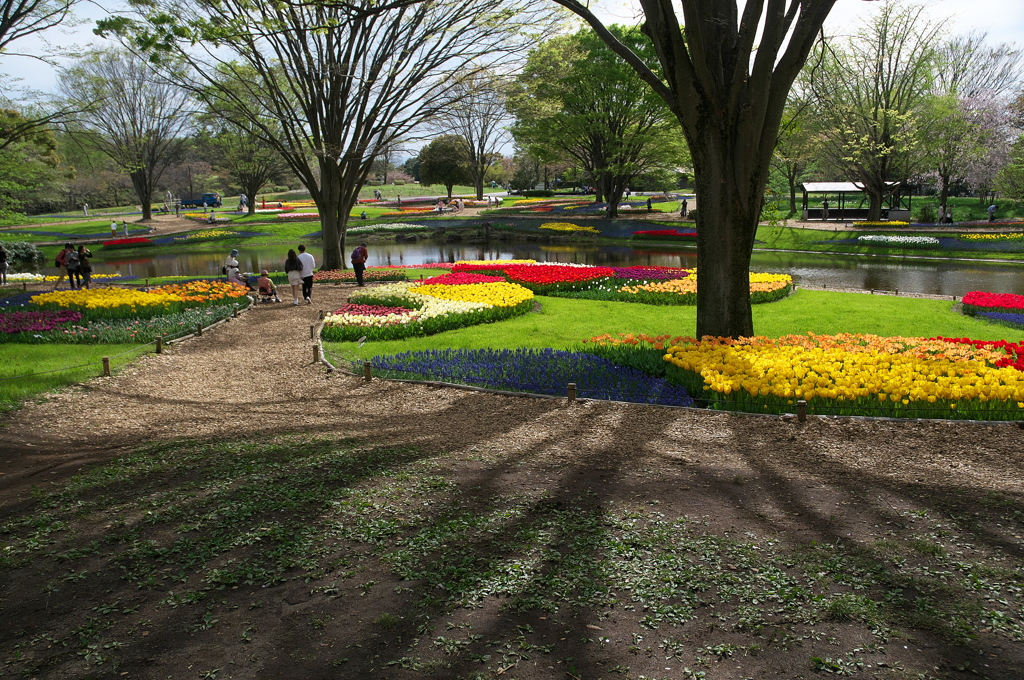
543,371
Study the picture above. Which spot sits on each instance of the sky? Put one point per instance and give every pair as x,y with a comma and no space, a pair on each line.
1003,20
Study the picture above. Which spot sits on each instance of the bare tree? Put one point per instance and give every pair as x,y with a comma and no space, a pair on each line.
131,113
478,115
725,77
339,82
21,18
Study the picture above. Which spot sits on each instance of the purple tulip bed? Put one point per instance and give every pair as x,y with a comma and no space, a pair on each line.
540,371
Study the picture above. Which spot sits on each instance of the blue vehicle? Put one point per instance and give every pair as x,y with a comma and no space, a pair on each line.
212,200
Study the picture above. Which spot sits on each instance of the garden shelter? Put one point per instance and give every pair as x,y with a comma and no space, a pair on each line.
848,201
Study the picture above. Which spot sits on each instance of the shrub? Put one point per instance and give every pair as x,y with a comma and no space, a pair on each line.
926,214
24,255
538,193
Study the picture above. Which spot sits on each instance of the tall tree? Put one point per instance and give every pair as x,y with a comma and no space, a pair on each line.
972,113
580,100
131,112
445,161
248,159
872,92
726,78
338,81
478,115
795,152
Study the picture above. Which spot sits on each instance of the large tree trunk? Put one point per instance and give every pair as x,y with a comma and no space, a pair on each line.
330,222
144,192
731,196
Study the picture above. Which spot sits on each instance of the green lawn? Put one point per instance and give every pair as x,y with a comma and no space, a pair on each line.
564,323
36,362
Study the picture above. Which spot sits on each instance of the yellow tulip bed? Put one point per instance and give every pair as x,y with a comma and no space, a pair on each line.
849,374
123,303
572,228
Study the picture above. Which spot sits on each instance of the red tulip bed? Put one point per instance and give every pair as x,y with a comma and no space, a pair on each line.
133,242
664,235
1003,308
462,279
1014,350
543,279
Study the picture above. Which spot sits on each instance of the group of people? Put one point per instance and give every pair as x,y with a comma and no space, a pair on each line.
454,205
113,228
73,263
299,268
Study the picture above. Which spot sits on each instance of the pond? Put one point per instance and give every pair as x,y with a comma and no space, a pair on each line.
935,277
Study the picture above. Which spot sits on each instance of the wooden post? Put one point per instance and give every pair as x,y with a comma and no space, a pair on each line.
312,331
570,393
801,411
323,314
160,344
199,329
234,312
106,365
316,353
367,376
24,286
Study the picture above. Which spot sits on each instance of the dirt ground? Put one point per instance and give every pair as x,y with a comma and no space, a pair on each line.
828,481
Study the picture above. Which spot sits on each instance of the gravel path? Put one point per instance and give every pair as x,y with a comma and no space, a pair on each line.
255,374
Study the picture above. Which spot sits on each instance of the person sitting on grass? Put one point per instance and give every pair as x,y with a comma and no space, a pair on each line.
266,287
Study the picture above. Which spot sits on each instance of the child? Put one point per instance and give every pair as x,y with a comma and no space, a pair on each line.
266,286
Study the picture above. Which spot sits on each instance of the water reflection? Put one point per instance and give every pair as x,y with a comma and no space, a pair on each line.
913,276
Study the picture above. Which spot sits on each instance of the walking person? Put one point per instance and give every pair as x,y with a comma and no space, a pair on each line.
682,209
942,214
113,228
3,266
62,265
84,267
85,209
359,257
308,266
824,211
992,213
293,268
124,223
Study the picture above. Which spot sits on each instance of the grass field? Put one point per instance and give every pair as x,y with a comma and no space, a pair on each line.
49,367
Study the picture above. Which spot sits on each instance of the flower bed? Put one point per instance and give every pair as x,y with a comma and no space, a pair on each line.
394,226
133,242
888,240
23,324
544,371
542,278
121,303
679,291
651,273
851,375
664,235
349,275
123,331
462,279
991,237
297,217
978,301
565,226
427,309
203,291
